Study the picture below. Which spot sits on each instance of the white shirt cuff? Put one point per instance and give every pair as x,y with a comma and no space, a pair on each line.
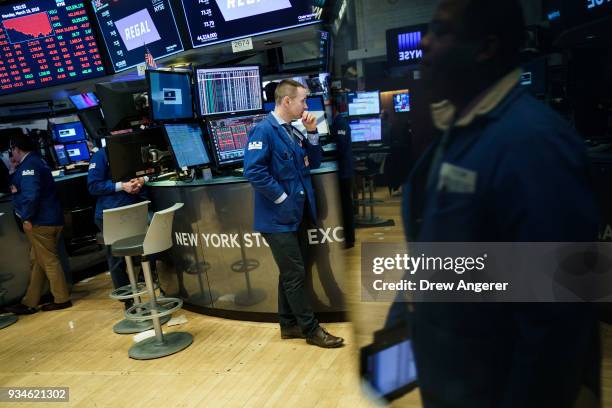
118,186
146,179
280,199
313,138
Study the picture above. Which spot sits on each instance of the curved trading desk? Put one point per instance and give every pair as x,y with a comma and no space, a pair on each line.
220,266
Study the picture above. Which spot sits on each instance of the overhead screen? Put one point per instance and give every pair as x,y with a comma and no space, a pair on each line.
215,21
129,27
228,90
45,43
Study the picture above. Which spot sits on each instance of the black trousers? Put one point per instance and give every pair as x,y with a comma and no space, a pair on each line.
348,213
289,250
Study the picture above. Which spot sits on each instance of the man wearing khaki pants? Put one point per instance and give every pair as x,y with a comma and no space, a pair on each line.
38,208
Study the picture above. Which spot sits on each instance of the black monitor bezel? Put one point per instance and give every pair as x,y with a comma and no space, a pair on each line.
350,118
150,95
57,141
211,161
215,154
348,109
73,143
214,116
97,106
56,157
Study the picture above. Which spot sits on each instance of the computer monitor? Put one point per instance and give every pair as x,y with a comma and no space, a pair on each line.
228,90
61,157
187,145
123,103
363,103
365,130
68,132
401,102
127,153
77,151
229,136
316,106
170,95
84,100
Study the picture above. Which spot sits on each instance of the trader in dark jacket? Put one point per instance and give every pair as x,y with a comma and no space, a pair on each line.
508,169
111,195
277,162
39,210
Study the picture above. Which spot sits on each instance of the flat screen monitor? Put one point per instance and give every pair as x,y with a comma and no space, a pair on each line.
533,76
214,21
317,84
363,103
45,43
68,132
404,45
77,151
401,102
123,103
187,145
170,95
229,136
131,27
365,130
61,157
84,100
228,90
125,153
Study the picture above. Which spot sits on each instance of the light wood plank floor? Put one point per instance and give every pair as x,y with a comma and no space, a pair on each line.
230,364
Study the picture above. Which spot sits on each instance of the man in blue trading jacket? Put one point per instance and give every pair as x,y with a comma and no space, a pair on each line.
111,195
277,162
507,169
38,208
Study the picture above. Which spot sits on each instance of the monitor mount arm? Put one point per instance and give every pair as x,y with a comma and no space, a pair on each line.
153,155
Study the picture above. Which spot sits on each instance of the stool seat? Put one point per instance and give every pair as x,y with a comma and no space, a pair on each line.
131,246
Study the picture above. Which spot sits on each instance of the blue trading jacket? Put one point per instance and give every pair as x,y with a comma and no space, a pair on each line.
274,164
100,185
531,185
36,197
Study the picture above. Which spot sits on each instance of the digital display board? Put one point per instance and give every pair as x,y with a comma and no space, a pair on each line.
366,130
363,103
68,132
187,145
45,43
404,45
401,102
230,136
170,95
84,100
228,90
215,21
129,27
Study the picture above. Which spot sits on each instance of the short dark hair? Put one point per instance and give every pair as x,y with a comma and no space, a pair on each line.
503,19
22,142
287,87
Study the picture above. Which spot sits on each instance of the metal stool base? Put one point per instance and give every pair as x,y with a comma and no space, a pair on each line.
126,326
6,321
150,348
250,298
203,299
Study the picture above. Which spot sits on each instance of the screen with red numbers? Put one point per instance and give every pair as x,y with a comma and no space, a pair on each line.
45,43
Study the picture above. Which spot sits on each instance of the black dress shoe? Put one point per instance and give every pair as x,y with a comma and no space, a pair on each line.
21,309
292,332
323,339
56,306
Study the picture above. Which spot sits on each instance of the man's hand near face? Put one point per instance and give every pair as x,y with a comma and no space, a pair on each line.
310,122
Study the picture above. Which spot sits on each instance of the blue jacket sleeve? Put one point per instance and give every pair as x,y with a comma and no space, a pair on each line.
257,161
30,192
98,182
315,154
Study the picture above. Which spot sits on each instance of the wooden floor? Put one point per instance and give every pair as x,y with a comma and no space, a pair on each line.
230,364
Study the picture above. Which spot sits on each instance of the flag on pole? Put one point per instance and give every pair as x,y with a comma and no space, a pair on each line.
149,60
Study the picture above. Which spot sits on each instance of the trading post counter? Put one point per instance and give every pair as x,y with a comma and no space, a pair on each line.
220,266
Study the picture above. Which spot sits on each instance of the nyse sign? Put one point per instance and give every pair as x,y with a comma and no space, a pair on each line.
597,3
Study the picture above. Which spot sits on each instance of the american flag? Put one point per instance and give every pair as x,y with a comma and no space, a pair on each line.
149,60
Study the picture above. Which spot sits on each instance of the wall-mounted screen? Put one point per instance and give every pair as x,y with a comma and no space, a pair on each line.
228,90
129,27
366,130
45,43
215,21
363,103
404,45
84,100
170,95
401,102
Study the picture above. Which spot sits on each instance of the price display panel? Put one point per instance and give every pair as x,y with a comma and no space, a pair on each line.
45,43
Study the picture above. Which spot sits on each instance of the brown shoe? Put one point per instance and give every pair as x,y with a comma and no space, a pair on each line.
292,332
20,309
323,339
56,306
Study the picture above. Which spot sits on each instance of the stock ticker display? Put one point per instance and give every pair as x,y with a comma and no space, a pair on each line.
226,90
45,43
230,136
215,21
130,27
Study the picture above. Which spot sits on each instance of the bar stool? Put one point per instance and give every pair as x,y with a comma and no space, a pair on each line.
366,176
120,223
158,238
